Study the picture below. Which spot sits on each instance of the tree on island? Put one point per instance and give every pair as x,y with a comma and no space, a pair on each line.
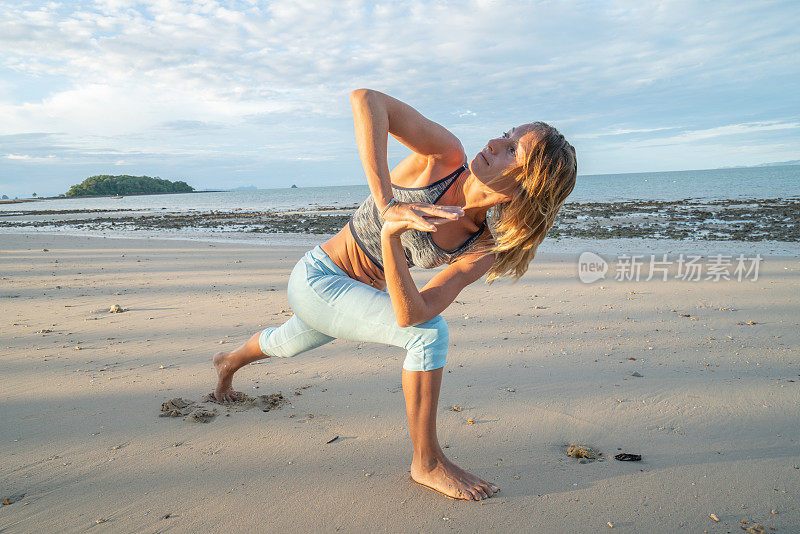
104,184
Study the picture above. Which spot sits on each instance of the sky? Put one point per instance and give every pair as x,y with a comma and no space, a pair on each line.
226,94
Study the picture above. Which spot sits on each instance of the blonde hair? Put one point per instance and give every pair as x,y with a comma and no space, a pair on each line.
520,225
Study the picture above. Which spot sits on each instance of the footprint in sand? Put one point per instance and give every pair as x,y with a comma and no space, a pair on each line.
245,402
203,413
179,407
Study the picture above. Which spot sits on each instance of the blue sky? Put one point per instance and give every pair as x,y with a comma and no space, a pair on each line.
232,93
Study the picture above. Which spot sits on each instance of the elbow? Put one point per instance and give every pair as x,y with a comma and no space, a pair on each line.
413,313
404,321
409,319
360,95
455,156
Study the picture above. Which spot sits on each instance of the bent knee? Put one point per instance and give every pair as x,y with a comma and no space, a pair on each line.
271,347
429,349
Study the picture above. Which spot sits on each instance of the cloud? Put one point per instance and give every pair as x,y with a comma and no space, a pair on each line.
694,136
168,80
734,129
29,158
289,56
183,125
622,131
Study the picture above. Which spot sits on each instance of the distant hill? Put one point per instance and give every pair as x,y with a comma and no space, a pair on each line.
779,163
245,188
771,164
126,185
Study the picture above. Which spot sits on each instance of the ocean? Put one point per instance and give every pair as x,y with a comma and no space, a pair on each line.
750,182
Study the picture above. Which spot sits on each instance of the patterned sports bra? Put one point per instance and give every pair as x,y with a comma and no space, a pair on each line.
365,225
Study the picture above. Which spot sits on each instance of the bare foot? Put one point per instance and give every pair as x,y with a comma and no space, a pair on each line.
224,389
446,477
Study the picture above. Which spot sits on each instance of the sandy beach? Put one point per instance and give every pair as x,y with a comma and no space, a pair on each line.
533,367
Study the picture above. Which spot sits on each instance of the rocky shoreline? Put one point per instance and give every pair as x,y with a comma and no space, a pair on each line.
721,220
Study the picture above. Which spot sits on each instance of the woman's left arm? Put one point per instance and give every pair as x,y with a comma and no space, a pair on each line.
411,306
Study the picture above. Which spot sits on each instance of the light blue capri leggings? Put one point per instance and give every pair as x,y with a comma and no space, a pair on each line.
328,304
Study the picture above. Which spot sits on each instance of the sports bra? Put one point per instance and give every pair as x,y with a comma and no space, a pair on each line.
420,250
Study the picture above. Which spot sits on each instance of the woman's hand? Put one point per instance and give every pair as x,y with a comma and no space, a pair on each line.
403,216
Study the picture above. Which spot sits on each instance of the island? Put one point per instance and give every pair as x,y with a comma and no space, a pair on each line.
105,184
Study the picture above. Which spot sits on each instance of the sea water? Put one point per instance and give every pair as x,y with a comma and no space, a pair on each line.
717,184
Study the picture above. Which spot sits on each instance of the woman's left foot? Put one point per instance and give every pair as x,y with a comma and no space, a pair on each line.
446,477
224,392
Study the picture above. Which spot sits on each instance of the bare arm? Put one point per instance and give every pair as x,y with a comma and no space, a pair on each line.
375,116
411,306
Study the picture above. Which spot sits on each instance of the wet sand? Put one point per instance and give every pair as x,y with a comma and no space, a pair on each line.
533,368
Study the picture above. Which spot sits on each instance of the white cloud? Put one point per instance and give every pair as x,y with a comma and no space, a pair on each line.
694,136
166,80
622,131
29,158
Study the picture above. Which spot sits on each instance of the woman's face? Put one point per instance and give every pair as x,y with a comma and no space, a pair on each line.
501,155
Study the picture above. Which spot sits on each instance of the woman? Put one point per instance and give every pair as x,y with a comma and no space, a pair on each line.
430,210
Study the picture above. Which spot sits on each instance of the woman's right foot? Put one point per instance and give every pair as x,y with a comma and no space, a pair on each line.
446,477
224,392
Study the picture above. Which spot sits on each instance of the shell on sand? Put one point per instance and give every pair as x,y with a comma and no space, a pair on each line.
581,451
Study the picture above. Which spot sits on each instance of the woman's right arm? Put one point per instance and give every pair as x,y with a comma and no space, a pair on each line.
376,115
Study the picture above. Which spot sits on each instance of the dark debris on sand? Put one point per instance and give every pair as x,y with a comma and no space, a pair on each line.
11,499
